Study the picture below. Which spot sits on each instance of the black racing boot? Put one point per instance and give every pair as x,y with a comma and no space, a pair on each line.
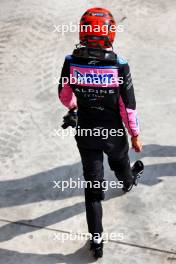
97,249
137,171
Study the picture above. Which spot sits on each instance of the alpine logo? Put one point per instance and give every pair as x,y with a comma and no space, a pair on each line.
94,91
93,62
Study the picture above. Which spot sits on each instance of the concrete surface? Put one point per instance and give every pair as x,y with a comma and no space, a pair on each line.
32,213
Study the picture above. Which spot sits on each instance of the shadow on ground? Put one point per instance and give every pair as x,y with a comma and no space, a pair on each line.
39,187
79,256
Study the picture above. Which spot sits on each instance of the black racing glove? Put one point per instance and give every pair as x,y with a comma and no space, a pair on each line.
70,119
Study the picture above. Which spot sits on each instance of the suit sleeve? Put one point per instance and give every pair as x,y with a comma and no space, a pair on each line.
65,92
127,103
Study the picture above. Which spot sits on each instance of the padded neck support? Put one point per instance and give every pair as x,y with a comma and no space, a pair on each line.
95,53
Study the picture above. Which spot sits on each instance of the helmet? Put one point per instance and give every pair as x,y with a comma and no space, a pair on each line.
97,28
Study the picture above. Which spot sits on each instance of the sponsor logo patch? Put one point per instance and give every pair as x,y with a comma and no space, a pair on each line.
95,76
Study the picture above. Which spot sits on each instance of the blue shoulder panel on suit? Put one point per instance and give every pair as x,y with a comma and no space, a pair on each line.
68,57
121,60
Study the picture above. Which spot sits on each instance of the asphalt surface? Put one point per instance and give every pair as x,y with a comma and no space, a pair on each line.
34,215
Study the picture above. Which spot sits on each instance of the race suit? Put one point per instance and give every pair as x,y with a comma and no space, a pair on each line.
103,93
